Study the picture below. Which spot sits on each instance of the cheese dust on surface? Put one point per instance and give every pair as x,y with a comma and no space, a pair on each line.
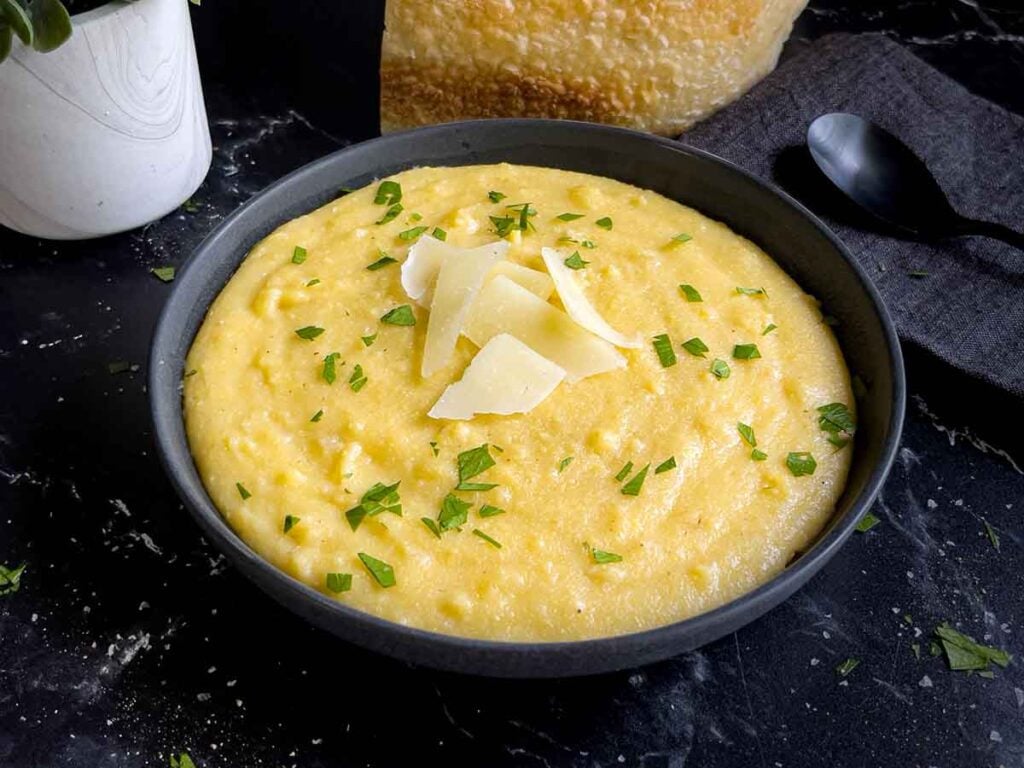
667,508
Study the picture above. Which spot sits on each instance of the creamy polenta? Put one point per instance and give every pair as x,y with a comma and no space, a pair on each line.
624,500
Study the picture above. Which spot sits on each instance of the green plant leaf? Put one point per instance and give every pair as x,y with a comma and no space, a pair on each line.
17,19
6,38
51,24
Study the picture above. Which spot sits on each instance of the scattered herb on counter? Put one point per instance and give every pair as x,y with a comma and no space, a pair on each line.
768,329
412,234
695,347
242,491
624,472
666,465
314,281
496,197
632,488
10,578
603,558
454,512
440,234
866,523
720,368
690,293
399,316
758,455
963,653
493,542
488,510
993,537
391,214
747,433
751,291
298,255
604,223
190,206
182,761
847,667
801,463
916,649
119,366
388,193
682,237
382,262
309,332
564,463
434,448
330,370
576,261
917,273
431,526
290,521
339,582
164,274
589,245
357,380
317,416
569,216
663,348
383,573
746,352
368,340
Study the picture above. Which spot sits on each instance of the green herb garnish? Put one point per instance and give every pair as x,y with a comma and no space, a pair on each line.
720,369
339,582
412,234
10,579
388,193
666,465
164,274
632,488
493,542
603,558
309,332
695,347
758,455
768,329
118,366
434,448
847,667
663,347
496,197
399,316
801,463
502,224
747,433
837,421
575,261
314,281
391,214
487,510
378,499
290,521
564,463
474,462
317,416
242,491
431,526
298,255
604,223
589,244
439,234
691,293
682,237
751,291
624,472
993,537
382,262
357,380
963,653
917,273
383,573
182,761
746,352
330,371
569,216
368,340
454,512
866,523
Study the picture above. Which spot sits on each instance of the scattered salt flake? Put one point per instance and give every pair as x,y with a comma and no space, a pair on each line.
925,682
815,662
1020,696
932,503
994,736
204,696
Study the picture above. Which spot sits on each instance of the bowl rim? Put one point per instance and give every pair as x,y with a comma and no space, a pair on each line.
751,604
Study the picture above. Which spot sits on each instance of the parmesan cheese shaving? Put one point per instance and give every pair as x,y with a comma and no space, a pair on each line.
505,377
577,305
536,282
505,307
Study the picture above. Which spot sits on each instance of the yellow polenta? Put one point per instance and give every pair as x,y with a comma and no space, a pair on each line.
260,414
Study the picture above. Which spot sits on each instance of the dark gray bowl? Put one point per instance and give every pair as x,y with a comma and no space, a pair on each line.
791,234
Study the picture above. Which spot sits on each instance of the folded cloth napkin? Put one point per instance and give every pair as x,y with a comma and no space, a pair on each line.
962,299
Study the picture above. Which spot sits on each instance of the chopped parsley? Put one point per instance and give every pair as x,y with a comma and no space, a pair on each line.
368,340
493,542
488,510
309,332
746,352
388,193
768,329
314,281
663,347
569,216
412,234
378,499
604,223
330,371
564,463
317,416
382,262
847,667
624,472
502,225
589,245
434,448
290,521
666,465
690,293
182,761
575,261
751,291
431,526
682,237
383,573
164,274
837,421
357,380
963,653
801,463
10,578
440,234
747,433
695,347
496,197
119,366
454,512
632,488
866,523
603,558
242,491
414,217
298,255
720,368
339,582
390,214
472,463
993,537
399,316
758,455
917,273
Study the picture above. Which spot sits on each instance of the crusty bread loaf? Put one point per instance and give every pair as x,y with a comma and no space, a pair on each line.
657,65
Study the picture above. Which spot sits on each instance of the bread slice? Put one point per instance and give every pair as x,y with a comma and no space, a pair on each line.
656,65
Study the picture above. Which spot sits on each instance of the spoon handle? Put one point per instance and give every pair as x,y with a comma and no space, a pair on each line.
990,229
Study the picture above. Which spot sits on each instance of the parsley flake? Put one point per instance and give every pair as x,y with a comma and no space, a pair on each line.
746,352
488,510
847,667
632,488
474,462
624,472
751,291
298,255
388,193
768,329
682,237
837,421
564,463
399,316
666,465
242,491
758,455
431,526
368,340
314,281
690,293
963,653
382,262
480,534
575,261
317,416
747,433
695,347
589,245
801,463
604,223
412,234
383,573
663,347
454,512
569,216
993,537
290,521
10,579
357,380
866,523
339,582
720,369
164,274
496,197
182,761
601,557
439,234
309,332
330,371
391,214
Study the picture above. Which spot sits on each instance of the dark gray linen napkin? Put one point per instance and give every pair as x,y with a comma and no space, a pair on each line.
968,308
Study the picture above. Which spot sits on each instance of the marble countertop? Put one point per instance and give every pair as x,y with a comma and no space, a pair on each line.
131,639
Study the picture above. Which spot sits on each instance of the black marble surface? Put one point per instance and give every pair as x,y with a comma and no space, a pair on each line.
131,639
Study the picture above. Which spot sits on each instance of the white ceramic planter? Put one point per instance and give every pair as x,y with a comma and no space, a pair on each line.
109,131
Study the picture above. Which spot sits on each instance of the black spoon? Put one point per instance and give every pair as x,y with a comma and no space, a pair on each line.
883,175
